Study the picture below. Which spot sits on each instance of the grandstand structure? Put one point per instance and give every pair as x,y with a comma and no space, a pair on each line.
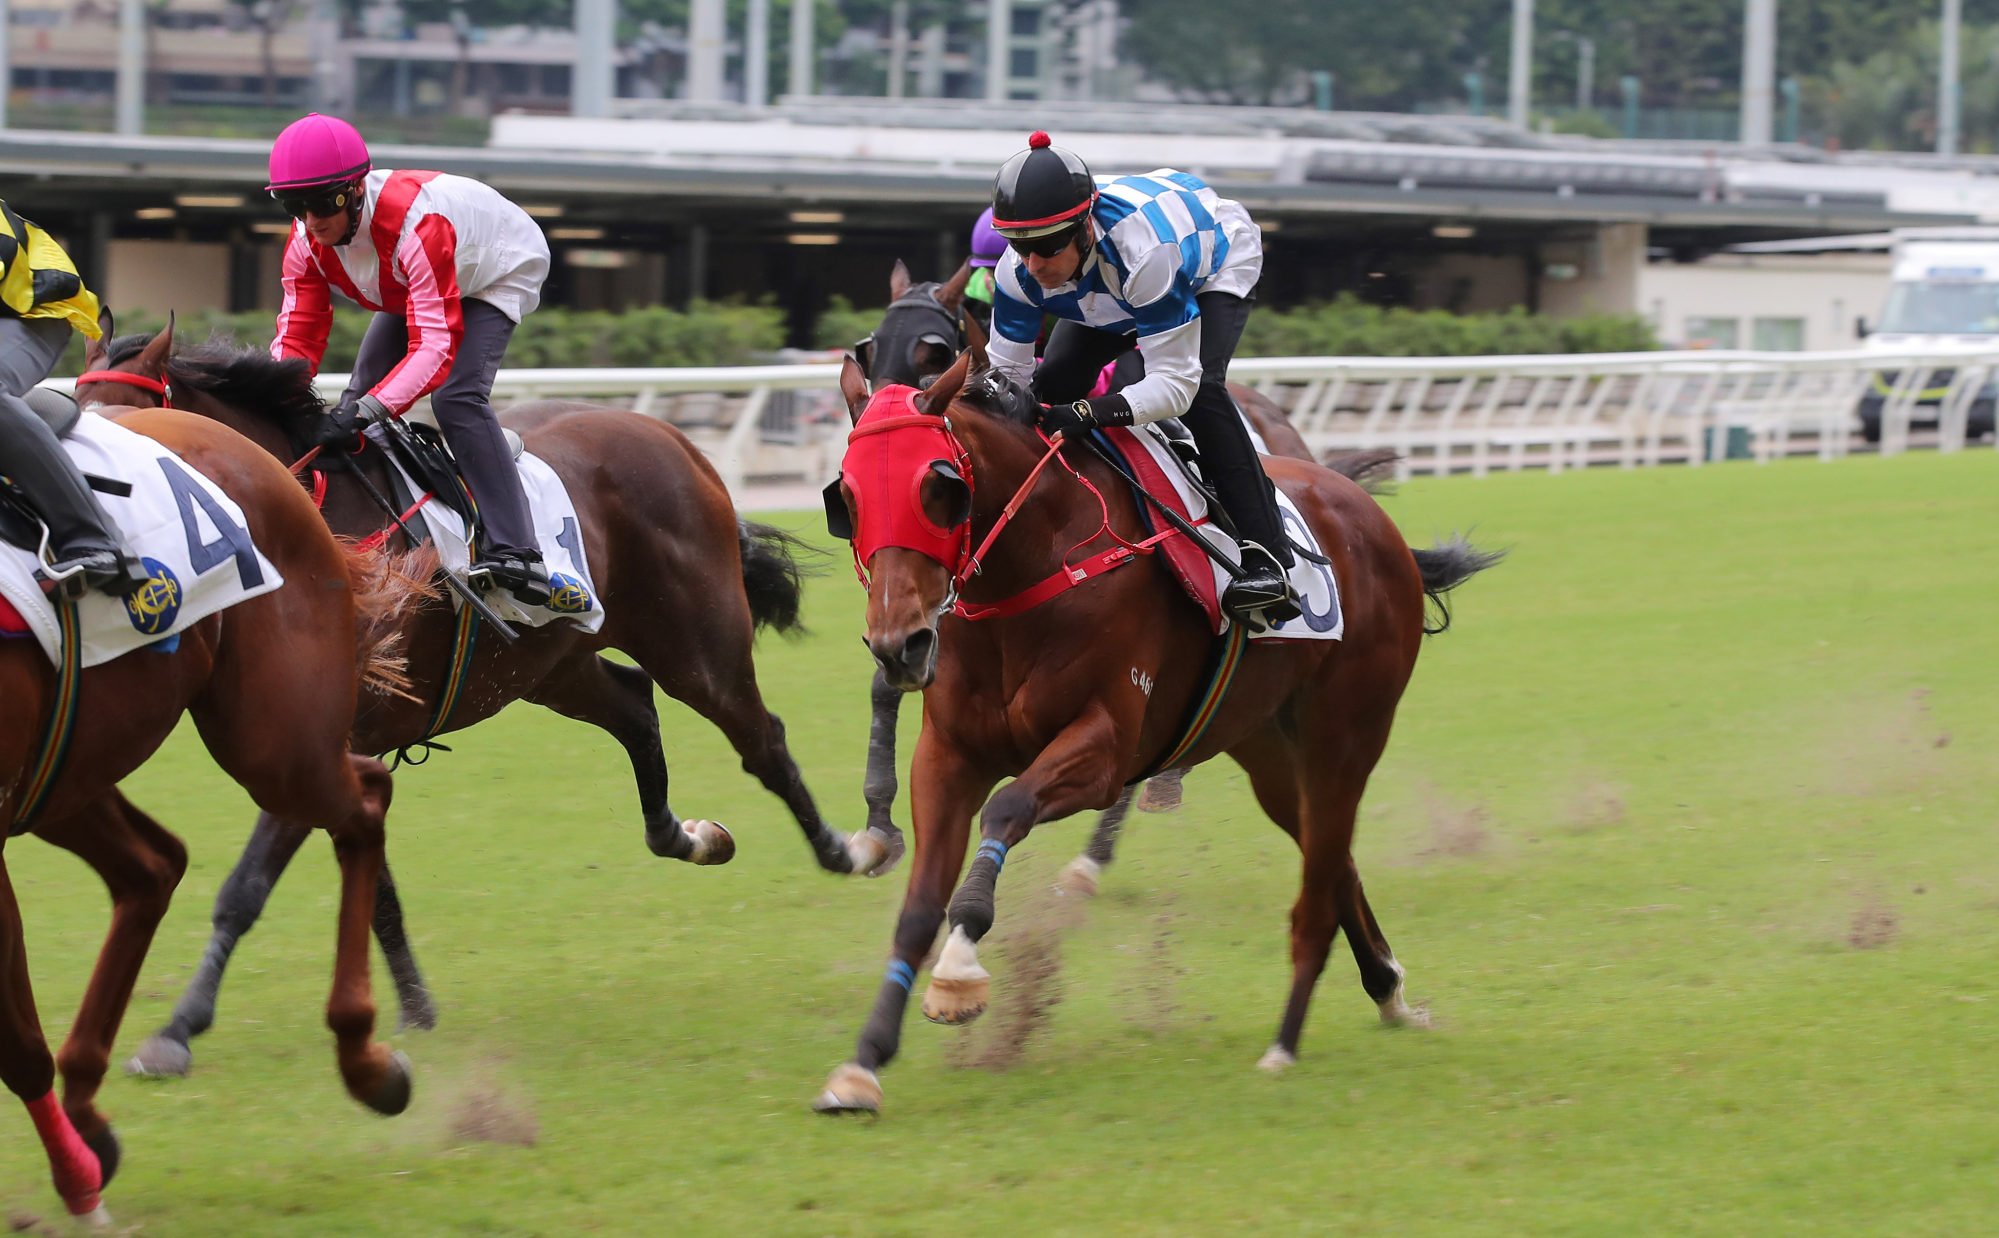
665,202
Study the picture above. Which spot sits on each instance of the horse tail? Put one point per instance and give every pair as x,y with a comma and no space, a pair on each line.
1373,471
1447,565
772,578
385,587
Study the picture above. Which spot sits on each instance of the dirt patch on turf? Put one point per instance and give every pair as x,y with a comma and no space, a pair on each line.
1596,804
488,1114
1456,829
1875,924
1886,746
1026,949
29,1223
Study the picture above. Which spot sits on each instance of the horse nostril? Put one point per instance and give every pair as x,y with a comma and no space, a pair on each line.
917,648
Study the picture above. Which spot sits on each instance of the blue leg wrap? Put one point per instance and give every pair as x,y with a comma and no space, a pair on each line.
900,973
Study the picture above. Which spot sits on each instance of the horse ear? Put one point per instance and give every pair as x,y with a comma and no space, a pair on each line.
94,350
853,386
937,400
898,281
975,344
952,294
153,357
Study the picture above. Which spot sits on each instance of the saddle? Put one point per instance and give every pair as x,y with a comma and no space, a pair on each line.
20,523
421,451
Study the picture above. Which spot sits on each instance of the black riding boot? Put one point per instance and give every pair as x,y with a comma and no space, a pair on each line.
1264,584
83,544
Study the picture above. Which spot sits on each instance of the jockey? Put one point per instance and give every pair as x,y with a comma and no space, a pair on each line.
450,267
1158,260
42,299
987,246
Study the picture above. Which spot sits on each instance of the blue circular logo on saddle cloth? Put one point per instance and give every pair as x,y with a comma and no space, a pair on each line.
155,606
567,595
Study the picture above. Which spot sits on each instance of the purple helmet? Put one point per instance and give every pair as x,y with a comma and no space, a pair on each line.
987,245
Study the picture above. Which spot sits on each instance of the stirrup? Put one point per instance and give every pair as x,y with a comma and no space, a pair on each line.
1263,591
525,578
111,571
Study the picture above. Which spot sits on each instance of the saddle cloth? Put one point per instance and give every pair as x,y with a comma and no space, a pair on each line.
1151,460
572,594
191,536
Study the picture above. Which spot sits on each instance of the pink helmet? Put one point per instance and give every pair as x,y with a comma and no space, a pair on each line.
317,150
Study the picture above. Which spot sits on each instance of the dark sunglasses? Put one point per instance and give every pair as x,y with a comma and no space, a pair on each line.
1042,246
321,202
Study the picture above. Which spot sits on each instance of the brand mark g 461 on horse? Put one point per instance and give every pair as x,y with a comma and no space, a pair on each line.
1043,694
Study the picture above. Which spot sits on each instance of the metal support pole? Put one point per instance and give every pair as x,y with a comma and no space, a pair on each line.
1520,71
706,34
595,81
1585,72
756,55
898,48
1759,70
1950,102
800,81
999,49
6,61
131,92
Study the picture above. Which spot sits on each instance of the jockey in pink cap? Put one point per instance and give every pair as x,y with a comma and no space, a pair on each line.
450,267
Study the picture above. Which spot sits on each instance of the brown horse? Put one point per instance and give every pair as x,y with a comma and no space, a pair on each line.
923,329
1079,695
271,684
683,583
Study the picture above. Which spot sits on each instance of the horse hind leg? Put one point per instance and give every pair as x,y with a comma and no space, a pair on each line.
167,1053
708,667
29,1071
141,864
617,699
1080,875
413,1000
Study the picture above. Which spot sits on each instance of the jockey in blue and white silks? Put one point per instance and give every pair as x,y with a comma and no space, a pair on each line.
1158,260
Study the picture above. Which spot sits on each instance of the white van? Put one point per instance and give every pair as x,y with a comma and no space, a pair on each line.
1943,298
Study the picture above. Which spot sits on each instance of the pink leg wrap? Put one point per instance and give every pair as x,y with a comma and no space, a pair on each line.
77,1173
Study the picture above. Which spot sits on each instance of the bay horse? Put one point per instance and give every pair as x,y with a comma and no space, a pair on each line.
684,586
923,329
1082,693
271,684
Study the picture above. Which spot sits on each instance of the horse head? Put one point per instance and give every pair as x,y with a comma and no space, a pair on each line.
269,401
920,496
921,331
129,371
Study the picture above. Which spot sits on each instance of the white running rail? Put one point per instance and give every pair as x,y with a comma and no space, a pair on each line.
1443,414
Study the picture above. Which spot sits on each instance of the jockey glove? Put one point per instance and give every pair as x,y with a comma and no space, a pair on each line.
1086,415
345,423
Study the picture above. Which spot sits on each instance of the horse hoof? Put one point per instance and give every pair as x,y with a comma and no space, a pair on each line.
418,1014
872,853
98,1218
393,1096
161,1058
713,844
105,1145
955,1003
850,1089
1276,1060
1079,877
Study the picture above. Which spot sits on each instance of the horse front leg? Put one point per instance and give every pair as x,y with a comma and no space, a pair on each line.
29,1071
1080,875
1075,772
944,792
374,1075
878,789
238,904
140,864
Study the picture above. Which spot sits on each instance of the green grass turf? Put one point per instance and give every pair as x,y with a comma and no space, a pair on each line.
1685,836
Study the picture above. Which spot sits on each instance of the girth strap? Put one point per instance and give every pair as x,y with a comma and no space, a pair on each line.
61,723
1224,657
463,644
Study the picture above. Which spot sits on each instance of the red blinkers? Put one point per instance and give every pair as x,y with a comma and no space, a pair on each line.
892,451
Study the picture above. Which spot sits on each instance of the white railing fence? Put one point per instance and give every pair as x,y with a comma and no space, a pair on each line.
1443,414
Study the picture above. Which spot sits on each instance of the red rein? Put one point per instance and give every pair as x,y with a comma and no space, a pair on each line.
159,387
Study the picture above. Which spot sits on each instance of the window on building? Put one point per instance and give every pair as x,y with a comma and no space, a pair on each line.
1778,335
1714,332
1026,62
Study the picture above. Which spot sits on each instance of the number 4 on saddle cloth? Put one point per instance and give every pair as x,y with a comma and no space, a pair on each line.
425,479
190,536
1146,457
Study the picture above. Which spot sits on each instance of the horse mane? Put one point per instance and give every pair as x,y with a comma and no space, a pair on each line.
991,391
247,379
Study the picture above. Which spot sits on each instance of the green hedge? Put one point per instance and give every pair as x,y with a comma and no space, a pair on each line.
739,334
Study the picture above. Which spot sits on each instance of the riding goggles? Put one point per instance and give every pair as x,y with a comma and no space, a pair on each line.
1042,246
299,203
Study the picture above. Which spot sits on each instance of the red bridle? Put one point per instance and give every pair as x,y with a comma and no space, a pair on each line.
158,386
898,519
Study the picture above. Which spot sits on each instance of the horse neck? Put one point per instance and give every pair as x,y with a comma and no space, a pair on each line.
348,510
1056,514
